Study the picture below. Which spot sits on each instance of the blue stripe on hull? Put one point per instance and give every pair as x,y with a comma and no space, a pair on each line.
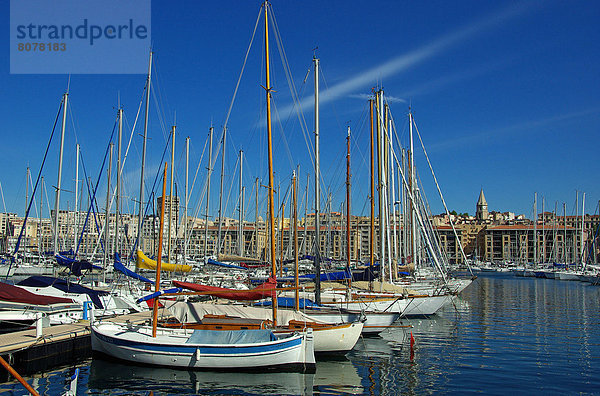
204,349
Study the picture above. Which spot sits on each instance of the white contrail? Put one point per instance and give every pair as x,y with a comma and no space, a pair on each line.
405,61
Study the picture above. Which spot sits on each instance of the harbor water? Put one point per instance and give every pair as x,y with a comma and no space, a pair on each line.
504,335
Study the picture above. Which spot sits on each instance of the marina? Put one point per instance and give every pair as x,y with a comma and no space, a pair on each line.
504,327
277,249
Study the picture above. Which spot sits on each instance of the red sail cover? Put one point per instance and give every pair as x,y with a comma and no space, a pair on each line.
263,290
16,294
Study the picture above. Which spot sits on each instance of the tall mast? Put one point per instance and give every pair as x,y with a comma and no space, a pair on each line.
372,228
209,169
171,193
380,161
565,232
107,210
224,141
241,206
159,255
256,218
270,154
305,244
317,190
281,238
60,161
141,199
555,232
185,209
386,189
582,227
535,241
348,213
26,188
296,280
76,212
40,221
413,222
543,250
393,202
574,248
118,197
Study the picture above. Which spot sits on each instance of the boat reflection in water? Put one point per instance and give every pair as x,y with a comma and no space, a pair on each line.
333,376
389,367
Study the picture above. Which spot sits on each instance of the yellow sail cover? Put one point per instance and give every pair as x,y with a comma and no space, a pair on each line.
143,262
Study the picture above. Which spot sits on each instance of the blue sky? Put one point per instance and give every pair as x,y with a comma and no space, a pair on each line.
505,96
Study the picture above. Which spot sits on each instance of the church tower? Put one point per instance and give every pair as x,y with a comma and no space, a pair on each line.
481,212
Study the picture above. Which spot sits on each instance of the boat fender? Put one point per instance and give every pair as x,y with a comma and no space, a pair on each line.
197,354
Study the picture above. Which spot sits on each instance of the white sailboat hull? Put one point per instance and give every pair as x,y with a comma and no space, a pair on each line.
568,276
385,302
172,348
373,322
341,338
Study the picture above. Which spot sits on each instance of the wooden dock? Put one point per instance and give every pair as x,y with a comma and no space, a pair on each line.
58,345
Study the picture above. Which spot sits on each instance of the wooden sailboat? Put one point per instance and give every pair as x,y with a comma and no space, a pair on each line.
205,349
202,349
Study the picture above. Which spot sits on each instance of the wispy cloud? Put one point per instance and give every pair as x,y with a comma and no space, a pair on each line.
405,61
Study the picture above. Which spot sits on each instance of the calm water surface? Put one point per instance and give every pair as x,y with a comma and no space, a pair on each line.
503,335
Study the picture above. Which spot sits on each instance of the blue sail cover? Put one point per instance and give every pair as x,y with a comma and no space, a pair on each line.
69,252
329,276
118,265
288,302
220,264
159,293
60,284
326,276
76,266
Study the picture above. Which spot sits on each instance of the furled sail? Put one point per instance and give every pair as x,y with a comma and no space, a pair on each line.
264,290
144,262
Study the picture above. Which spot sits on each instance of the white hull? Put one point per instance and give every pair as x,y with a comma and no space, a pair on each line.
53,314
567,276
113,305
176,348
374,322
340,338
386,302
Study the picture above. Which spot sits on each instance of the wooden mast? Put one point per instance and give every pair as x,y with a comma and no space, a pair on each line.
282,227
159,256
270,154
372,241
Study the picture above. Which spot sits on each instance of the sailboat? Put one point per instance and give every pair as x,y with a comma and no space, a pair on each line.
206,349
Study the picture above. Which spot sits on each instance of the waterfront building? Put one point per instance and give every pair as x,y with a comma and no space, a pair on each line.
488,236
